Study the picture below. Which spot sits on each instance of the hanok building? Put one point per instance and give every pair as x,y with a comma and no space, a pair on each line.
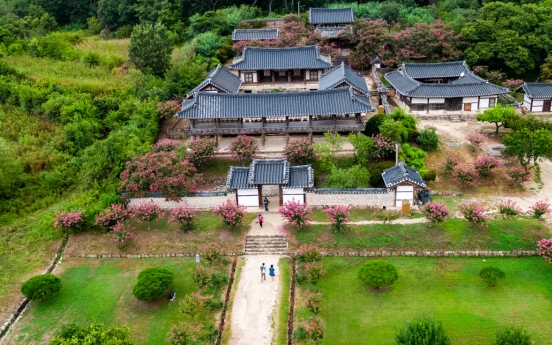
255,34
331,23
445,86
335,110
248,182
403,180
344,76
218,80
538,96
273,66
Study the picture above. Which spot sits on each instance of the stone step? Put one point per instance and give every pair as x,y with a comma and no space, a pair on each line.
266,240
266,253
454,118
268,246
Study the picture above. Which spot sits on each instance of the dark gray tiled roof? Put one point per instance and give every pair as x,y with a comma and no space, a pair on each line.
238,178
301,176
207,105
221,78
537,90
269,171
401,173
473,87
434,70
331,32
331,15
343,74
256,58
255,34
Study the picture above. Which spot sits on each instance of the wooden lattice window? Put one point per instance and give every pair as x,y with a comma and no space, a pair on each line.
248,77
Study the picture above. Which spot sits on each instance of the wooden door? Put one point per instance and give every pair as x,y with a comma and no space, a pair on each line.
467,106
546,105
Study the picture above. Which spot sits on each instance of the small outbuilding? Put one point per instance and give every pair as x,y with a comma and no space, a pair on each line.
255,34
248,182
218,80
404,181
537,96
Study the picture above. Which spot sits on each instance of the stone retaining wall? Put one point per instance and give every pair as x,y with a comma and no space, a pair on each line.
375,200
201,203
463,117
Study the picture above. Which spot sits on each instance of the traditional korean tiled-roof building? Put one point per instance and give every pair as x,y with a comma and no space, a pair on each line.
332,23
247,182
270,65
404,180
217,80
255,34
445,86
538,96
343,76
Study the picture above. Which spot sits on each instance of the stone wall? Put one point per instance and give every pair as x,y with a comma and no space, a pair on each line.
202,203
375,200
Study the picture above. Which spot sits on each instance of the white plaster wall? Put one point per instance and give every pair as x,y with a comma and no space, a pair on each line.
470,100
206,202
419,101
436,100
526,101
375,200
484,103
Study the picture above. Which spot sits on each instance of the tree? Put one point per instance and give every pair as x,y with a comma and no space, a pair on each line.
338,215
183,215
295,212
508,209
529,146
363,145
513,336
367,42
497,115
231,213
546,69
113,215
152,283
207,43
491,274
428,139
212,252
326,150
191,304
300,151
315,329
243,148
69,221
390,12
163,171
372,125
507,35
394,130
377,273
484,164
41,287
540,210
115,13
200,150
96,333
422,331
150,48
356,176
182,77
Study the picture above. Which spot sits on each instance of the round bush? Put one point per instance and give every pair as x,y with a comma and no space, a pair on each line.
491,274
375,171
513,335
372,125
41,288
429,175
422,331
152,283
428,139
377,273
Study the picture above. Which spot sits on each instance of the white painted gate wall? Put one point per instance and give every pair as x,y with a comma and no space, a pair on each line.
404,193
248,197
296,194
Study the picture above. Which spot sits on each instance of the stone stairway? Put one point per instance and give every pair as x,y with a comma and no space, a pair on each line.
266,244
454,118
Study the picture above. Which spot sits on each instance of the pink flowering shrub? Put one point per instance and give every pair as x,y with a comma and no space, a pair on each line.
449,164
436,212
146,212
183,215
121,234
243,148
168,109
474,212
464,175
383,147
183,333
338,215
508,209
484,164
162,171
476,140
519,175
512,84
231,213
69,221
539,210
200,150
191,304
315,329
166,146
313,271
296,213
544,249
300,151
313,301
115,214
309,253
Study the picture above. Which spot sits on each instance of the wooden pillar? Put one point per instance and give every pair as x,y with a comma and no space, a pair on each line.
260,191
427,111
192,124
240,123
237,203
263,122
272,73
287,121
530,107
334,119
281,197
357,118
310,136
310,120
478,102
263,138
289,76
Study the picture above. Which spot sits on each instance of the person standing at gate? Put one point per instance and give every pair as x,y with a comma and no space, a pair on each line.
260,219
266,202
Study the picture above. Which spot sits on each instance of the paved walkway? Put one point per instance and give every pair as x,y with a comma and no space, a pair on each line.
253,317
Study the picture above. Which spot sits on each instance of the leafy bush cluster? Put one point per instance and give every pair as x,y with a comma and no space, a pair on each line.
41,287
296,213
377,274
152,283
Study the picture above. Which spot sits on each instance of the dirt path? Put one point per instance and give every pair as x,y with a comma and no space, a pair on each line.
253,311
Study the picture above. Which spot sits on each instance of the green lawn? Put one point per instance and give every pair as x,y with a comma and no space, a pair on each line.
447,288
283,311
101,290
356,215
454,234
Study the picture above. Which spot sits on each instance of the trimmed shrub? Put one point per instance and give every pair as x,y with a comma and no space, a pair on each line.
300,151
436,212
429,175
422,331
96,333
152,283
295,212
200,150
376,169
449,164
338,215
484,164
475,140
464,175
231,213
508,209
313,301
519,175
513,336
474,212
313,271
428,139
491,274
377,273
372,125
91,59
356,176
309,253
41,287
383,147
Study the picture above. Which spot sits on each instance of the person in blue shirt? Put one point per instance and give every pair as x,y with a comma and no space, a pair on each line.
271,272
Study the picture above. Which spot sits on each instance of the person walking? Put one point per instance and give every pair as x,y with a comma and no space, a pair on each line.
271,272
263,272
266,202
260,219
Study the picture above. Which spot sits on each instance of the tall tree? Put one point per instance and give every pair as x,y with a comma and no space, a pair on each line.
367,41
390,12
150,48
546,69
497,115
529,146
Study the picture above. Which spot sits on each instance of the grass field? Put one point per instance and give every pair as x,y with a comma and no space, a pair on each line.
95,44
283,308
356,215
447,288
454,234
101,290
